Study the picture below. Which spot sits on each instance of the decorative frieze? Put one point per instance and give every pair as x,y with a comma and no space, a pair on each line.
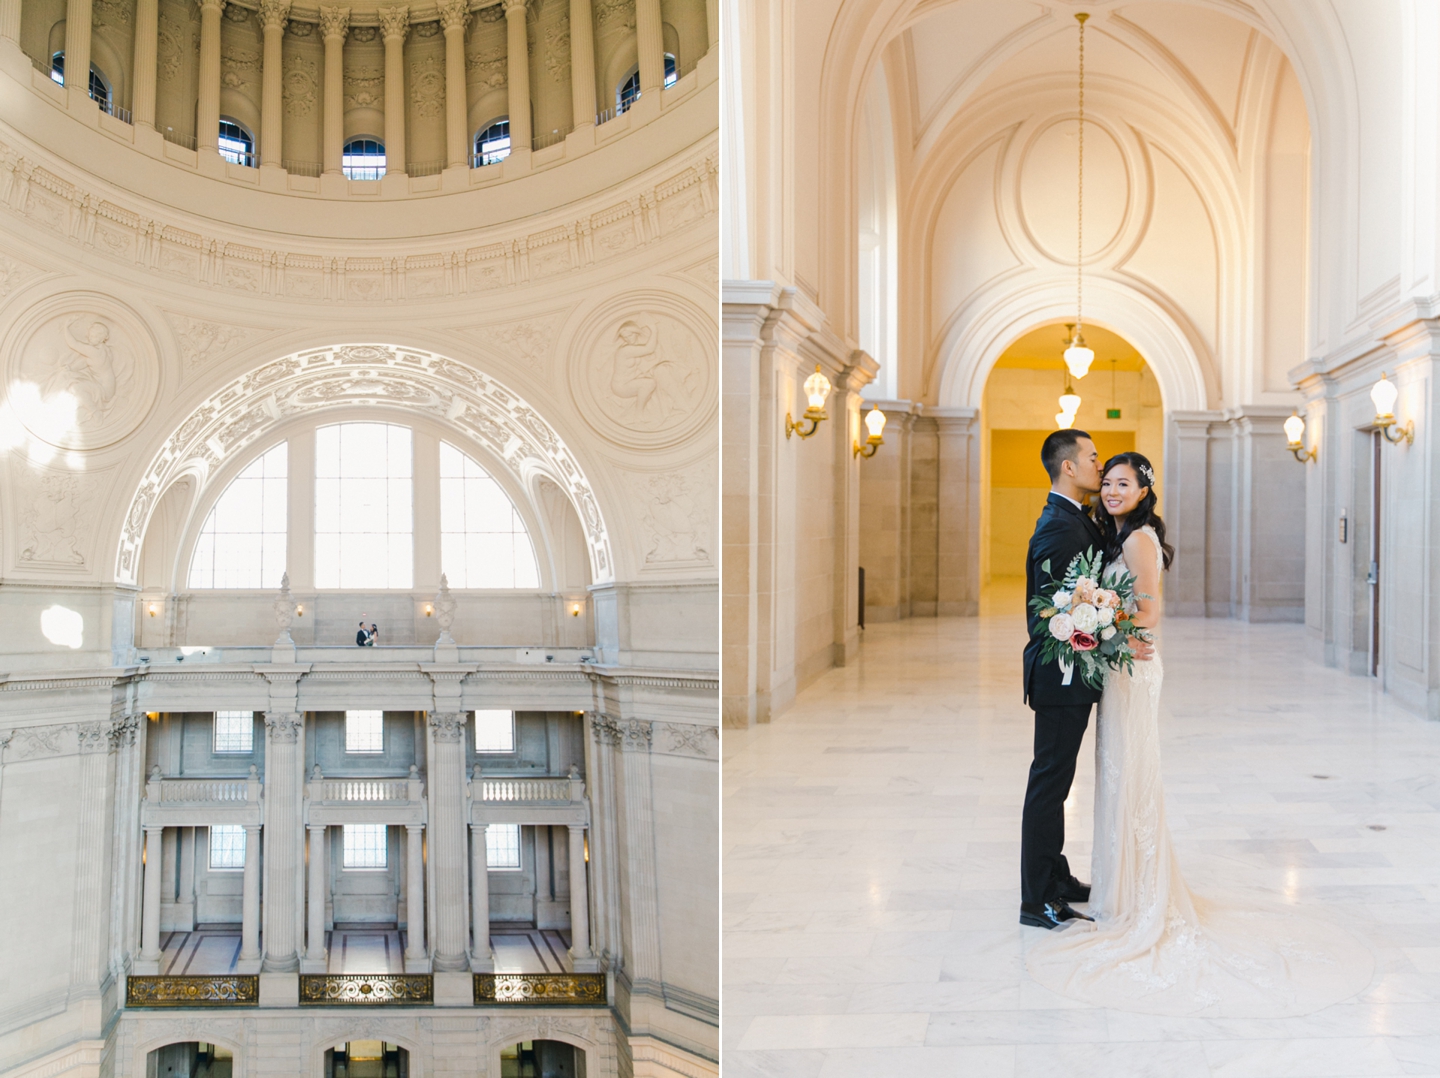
66,739
366,989
230,990
582,989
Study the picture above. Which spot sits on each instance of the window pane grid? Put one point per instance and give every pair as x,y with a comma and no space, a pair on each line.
227,846
242,544
494,731
502,846
483,540
365,731
234,731
364,527
365,845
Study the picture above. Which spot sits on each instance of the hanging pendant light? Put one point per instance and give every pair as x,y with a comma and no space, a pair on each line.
1077,356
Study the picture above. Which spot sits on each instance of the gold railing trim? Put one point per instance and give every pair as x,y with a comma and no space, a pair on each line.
570,989
219,990
367,989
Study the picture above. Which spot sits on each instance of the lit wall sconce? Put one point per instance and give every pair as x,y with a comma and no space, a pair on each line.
1383,393
153,609
1295,435
299,610
875,424
817,388
429,610
574,610
153,716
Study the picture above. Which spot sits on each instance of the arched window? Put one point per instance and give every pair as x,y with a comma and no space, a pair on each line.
99,84
364,528
236,144
242,544
629,88
483,540
363,158
670,75
492,145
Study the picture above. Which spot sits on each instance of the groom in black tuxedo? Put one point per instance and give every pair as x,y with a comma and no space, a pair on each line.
1062,711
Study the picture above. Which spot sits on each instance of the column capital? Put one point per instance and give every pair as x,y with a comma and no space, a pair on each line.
513,6
284,726
394,22
454,14
123,729
448,725
273,14
217,5
334,22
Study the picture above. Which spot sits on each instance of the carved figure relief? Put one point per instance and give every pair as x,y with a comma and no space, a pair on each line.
677,525
427,82
50,519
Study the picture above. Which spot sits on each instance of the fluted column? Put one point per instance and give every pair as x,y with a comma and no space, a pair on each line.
90,933
150,908
517,74
482,958
334,22
414,897
454,15
447,837
712,21
207,111
394,25
142,96
650,44
283,833
77,50
250,897
10,20
582,63
273,14
128,734
579,895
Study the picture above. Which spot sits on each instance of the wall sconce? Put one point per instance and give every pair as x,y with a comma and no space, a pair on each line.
299,610
574,610
153,610
1383,393
429,610
875,424
1295,434
153,716
817,388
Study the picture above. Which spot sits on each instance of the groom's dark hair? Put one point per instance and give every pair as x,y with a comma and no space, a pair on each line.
1058,447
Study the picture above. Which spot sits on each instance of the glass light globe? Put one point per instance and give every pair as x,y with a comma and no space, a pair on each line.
1295,429
1070,401
1078,358
817,388
1064,420
875,421
1383,393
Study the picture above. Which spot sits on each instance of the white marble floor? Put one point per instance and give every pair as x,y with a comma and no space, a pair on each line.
871,845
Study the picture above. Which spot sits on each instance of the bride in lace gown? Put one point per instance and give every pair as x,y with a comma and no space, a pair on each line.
1154,945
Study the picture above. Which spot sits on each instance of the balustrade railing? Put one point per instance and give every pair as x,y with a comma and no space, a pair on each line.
222,990
525,789
366,989
539,142
178,138
575,989
204,790
365,790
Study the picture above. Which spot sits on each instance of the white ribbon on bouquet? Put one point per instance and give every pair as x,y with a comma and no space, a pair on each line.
1067,668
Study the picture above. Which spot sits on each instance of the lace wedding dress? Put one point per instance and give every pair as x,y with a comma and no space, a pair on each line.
1154,945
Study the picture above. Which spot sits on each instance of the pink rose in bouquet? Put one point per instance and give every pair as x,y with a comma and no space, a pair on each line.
1082,641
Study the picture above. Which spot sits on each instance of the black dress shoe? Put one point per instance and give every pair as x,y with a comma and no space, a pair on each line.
1072,890
1049,914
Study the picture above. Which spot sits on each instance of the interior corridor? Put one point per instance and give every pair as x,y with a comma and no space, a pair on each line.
871,846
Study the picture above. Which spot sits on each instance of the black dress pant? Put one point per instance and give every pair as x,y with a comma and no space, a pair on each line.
1058,733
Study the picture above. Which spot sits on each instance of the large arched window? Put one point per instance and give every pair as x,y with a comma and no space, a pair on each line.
236,144
242,544
483,541
99,84
363,158
492,144
629,88
364,526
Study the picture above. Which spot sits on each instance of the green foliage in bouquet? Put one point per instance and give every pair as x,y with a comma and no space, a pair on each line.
1086,625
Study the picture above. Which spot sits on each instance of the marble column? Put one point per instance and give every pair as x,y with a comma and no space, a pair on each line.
414,897
517,74
447,838
454,17
10,20
127,732
207,111
334,23
315,901
250,898
712,21
482,958
89,943
579,896
150,908
582,63
77,51
283,833
650,44
273,15
142,94
394,25
642,909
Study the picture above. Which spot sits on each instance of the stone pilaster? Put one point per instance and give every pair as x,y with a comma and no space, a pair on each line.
582,63
650,45
415,957
89,936
454,17
641,905
283,830
315,896
517,67
77,52
394,25
273,16
334,25
147,30
958,524
482,958
579,899
249,961
447,838
128,734
207,110
149,960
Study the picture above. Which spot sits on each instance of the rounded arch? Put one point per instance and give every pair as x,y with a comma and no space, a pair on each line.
343,1032
191,1032
541,1030
1172,349
478,408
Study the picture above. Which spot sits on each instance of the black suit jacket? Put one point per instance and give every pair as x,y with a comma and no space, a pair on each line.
1061,532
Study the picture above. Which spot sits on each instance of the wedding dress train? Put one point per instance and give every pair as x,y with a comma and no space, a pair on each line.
1154,945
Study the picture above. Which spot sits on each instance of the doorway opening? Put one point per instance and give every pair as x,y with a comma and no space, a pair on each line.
542,1059
367,1059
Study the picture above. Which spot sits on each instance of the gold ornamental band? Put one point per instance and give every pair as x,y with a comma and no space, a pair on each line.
366,989
227,990
584,989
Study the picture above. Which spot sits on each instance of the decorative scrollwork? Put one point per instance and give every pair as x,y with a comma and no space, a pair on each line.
230,990
583,989
284,726
448,725
366,989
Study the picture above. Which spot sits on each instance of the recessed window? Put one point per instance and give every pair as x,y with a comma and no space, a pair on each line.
502,846
234,732
494,731
99,84
483,541
492,145
364,845
670,75
242,544
627,92
227,846
365,731
364,532
363,159
236,144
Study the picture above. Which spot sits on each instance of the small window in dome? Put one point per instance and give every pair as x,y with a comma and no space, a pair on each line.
99,84
627,92
363,158
670,75
492,145
236,144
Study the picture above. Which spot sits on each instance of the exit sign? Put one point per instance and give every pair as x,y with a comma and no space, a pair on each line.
1112,413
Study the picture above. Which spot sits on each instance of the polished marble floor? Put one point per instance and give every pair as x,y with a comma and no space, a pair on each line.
871,838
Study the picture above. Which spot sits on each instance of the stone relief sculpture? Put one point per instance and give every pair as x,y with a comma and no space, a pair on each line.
201,340
49,521
676,523
89,369
645,376
299,82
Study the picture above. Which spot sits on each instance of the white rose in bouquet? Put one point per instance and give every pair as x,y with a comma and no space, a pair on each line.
1062,627
1106,617
1085,617
1061,600
1107,634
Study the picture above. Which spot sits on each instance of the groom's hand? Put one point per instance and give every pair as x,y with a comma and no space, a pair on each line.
1144,652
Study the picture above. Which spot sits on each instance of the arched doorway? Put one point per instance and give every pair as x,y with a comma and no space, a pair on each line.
1121,408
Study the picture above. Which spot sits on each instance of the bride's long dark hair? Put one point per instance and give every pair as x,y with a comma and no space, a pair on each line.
1137,518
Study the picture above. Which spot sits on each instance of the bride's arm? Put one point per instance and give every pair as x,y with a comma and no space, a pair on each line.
1140,559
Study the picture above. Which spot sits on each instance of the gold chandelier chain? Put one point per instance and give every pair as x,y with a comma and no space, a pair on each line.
1080,201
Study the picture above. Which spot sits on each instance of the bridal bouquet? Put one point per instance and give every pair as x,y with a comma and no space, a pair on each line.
1088,626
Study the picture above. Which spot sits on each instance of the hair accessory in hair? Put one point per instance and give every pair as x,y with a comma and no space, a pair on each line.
1149,475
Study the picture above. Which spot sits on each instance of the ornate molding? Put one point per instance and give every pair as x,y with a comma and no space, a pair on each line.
605,730
274,14
637,735
582,989
123,730
366,990
394,22
284,726
448,725
232,990
454,14
94,737
334,22
686,739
